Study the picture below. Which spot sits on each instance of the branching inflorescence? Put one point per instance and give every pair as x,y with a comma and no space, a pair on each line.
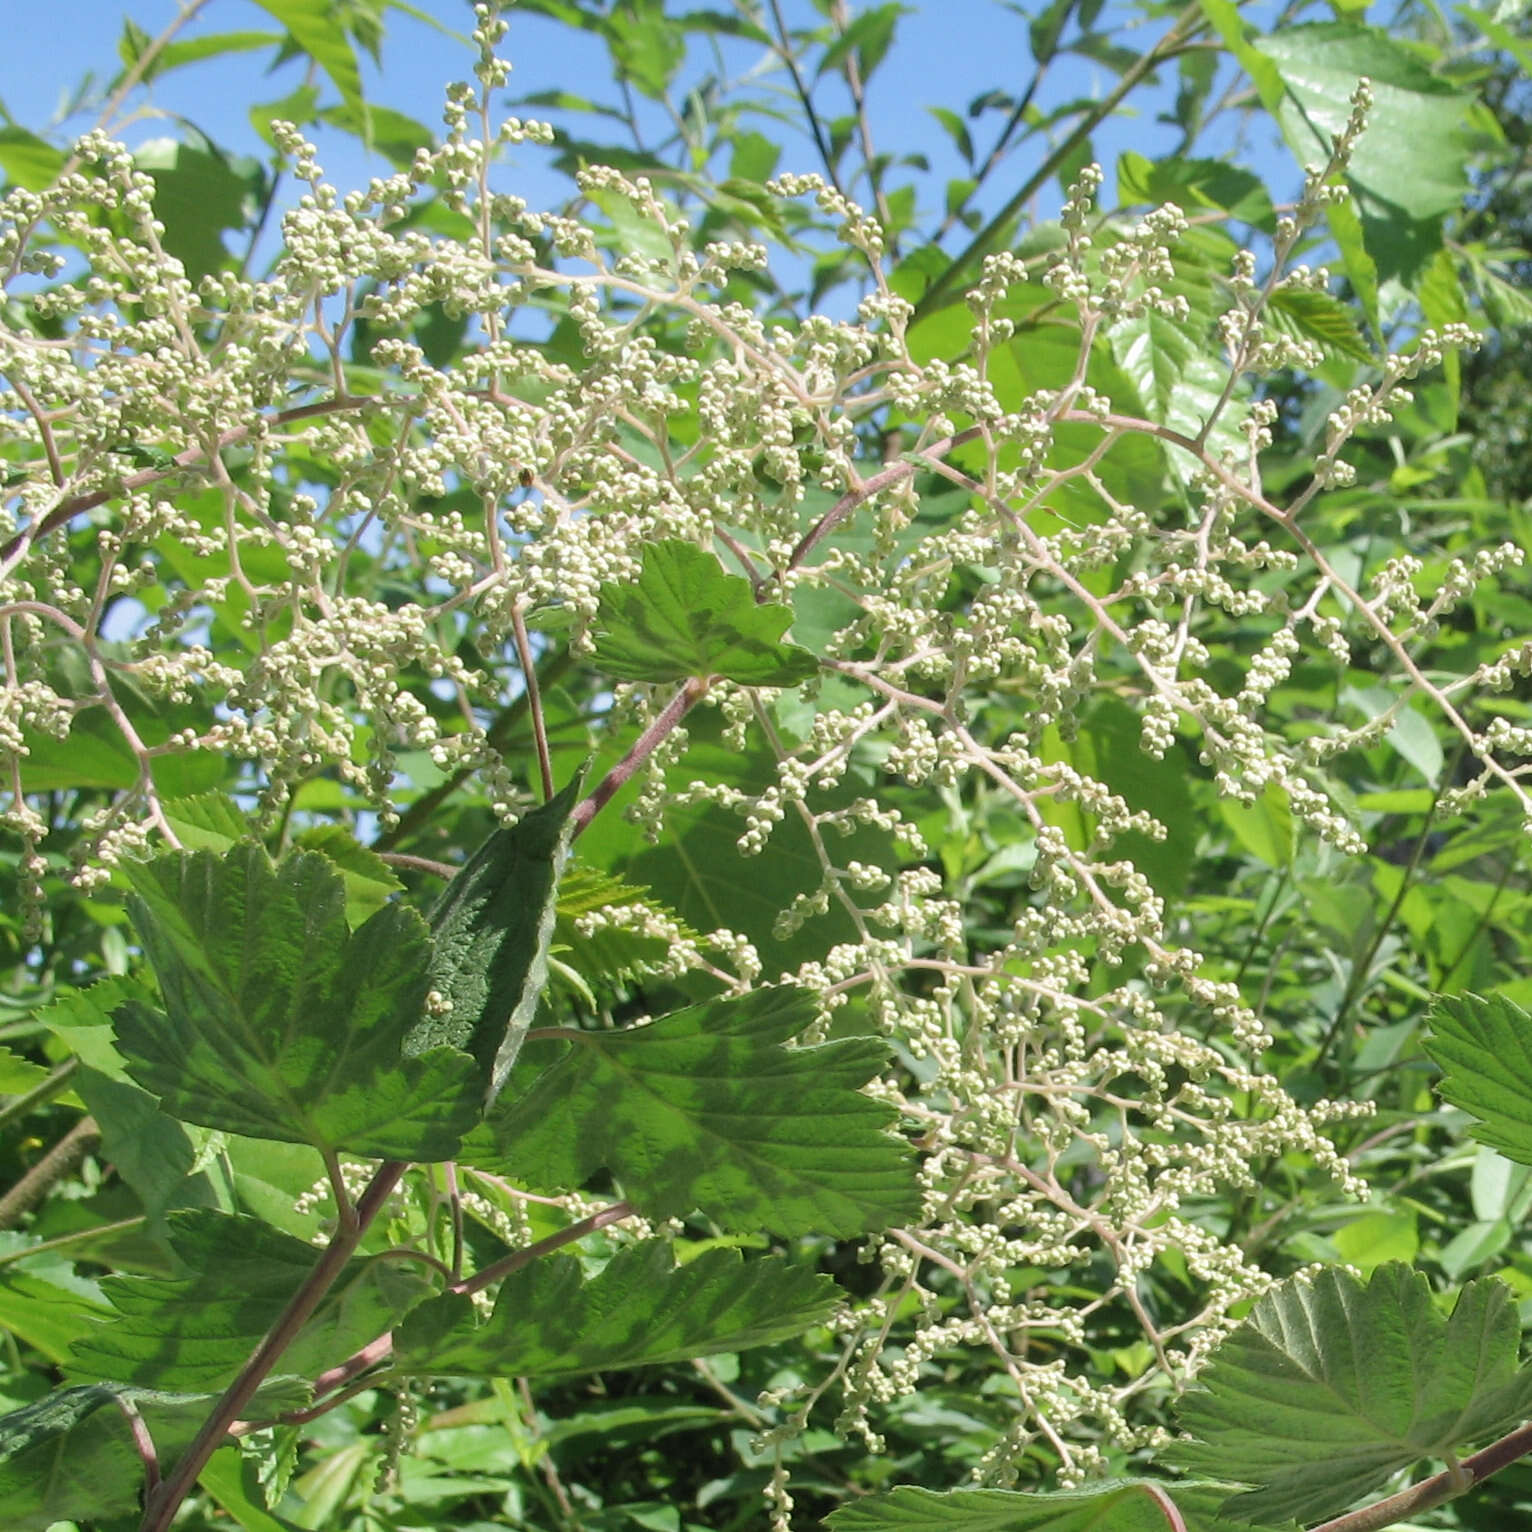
331,536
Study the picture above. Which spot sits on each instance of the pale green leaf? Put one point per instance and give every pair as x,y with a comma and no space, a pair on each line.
317,27
684,616
1414,153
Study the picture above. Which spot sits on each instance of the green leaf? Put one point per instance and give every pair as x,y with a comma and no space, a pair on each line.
207,821
1483,1046
395,136
1413,155
1331,1387
48,1308
641,1310
869,36
224,1479
706,1108
70,1456
1179,384
370,883
1308,315
1265,827
197,195
491,931
1193,185
684,616
646,46
176,54
153,1153
279,1022
1113,1506
27,160
317,27
613,953
195,1332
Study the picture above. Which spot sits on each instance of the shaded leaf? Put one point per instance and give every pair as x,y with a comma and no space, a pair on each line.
195,1332
70,1456
279,1022
684,616
197,195
706,1108
1331,1387
641,1310
491,929
1113,1506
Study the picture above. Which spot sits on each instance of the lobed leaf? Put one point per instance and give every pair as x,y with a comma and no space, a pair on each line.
1332,1387
193,1333
641,1310
685,617
280,1023
706,1108
70,1456
1484,1048
1115,1506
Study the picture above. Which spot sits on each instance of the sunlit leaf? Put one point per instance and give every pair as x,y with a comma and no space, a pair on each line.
684,616
1331,1387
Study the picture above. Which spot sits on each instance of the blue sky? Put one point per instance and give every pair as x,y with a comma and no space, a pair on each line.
948,50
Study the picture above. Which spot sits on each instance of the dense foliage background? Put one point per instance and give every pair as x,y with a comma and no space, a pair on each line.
1072,622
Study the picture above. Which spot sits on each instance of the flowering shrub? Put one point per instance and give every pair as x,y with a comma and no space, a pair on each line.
888,764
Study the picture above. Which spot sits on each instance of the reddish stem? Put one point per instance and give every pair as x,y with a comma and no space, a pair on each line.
162,1504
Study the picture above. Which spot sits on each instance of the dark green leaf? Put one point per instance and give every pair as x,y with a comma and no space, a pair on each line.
197,195
70,1456
640,1311
491,930
1114,1506
706,1108
153,1153
279,1022
1330,1388
194,1333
